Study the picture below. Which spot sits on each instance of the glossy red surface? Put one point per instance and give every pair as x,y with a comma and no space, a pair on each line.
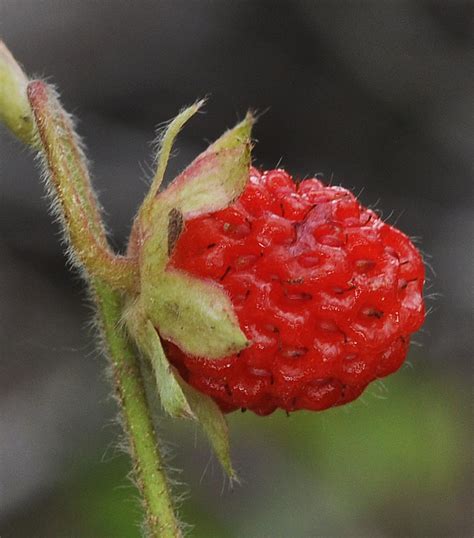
327,293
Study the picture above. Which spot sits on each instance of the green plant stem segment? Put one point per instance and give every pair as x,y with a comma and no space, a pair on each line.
71,191
149,471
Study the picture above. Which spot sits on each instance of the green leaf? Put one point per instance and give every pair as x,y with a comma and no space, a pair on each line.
196,315
213,423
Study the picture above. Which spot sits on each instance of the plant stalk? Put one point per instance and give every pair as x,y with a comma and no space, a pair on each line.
148,465
75,201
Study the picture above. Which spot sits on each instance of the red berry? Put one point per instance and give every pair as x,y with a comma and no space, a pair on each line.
326,292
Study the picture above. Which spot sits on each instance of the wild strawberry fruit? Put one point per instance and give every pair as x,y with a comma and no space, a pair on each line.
242,289
263,292
326,293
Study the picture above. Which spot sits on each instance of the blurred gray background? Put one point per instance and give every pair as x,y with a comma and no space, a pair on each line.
379,97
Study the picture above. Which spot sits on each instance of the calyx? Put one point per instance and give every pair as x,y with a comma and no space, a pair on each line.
194,314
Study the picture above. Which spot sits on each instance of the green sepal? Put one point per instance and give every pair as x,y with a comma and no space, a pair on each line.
196,315
216,177
177,397
211,182
165,144
213,423
148,342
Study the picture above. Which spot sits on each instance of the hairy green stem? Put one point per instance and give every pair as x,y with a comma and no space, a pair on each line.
149,471
72,193
76,204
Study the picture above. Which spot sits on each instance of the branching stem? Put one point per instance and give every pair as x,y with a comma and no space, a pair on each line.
50,129
72,192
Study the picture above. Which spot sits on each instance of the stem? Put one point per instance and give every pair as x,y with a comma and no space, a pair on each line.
129,384
72,193
76,204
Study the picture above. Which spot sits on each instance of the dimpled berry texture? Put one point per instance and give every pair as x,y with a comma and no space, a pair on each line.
325,291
